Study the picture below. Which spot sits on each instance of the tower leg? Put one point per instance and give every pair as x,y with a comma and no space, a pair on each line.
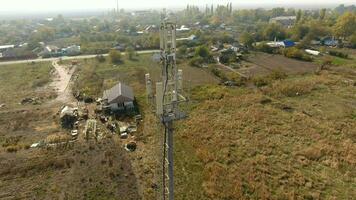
169,126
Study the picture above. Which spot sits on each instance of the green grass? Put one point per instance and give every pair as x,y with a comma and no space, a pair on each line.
22,80
339,61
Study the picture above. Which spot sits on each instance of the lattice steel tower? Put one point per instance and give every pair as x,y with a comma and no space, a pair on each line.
168,97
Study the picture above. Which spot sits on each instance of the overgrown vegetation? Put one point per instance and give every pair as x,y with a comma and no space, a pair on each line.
296,54
338,54
24,80
202,56
115,57
304,150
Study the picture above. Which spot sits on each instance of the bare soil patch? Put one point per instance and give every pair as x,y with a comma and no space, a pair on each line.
261,64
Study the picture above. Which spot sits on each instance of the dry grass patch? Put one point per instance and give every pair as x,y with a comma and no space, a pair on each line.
57,138
249,149
296,87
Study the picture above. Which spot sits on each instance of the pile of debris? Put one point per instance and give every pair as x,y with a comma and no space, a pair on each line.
68,116
31,100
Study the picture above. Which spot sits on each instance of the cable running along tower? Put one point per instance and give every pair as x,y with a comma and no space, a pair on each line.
167,100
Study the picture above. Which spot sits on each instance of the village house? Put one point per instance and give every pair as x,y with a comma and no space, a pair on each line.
72,50
119,98
286,21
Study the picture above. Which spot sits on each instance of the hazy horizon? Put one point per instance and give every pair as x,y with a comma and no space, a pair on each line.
49,6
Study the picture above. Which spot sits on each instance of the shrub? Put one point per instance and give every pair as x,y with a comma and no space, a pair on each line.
353,40
52,139
338,54
292,89
12,148
202,51
196,61
264,48
260,81
217,72
11,141
237,79
209,92
115,57
130,53
296,54
277,75
228,57
100,58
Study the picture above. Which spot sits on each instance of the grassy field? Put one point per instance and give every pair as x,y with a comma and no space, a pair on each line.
17,121
292,139
23,80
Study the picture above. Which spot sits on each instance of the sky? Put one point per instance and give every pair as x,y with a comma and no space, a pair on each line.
11,6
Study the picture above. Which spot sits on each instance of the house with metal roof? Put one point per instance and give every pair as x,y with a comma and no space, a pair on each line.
286,21
119,97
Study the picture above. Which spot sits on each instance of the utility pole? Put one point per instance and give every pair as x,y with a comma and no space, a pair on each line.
168,97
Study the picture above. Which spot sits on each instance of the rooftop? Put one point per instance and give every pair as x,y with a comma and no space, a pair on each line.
119,93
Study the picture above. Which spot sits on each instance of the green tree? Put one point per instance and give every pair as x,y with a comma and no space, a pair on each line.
202,51
345,25
115,56
182,50
353,40
246,39
322,14
299,31
277,12
299,15
33,44
273,31
130,53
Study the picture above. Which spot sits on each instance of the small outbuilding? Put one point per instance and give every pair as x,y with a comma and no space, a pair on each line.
119,98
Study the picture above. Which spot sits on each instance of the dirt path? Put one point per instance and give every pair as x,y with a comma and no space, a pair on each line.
61,82
230,69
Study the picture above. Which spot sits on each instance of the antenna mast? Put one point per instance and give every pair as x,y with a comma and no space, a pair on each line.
168,97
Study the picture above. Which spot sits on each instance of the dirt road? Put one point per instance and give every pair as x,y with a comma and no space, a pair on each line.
67,58
61,80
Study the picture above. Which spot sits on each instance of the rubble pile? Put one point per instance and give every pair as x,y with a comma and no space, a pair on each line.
31,100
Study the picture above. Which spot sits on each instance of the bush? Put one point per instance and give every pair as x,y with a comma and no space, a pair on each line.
55,138
277,75
202,51
217,72
12,148
196,61
237,79
100,58
296,54
130,53
338,54
264,48
228,57
292,89
260,81
115,57
353,40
